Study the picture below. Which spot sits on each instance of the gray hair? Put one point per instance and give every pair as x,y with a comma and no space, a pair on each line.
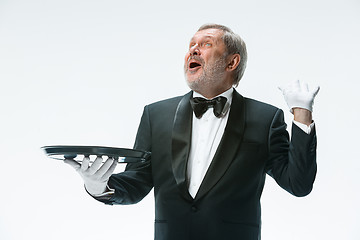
234,45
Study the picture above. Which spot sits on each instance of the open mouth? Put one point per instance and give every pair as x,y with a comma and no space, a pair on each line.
194,65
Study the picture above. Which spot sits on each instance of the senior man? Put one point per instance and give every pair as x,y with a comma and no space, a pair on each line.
212,148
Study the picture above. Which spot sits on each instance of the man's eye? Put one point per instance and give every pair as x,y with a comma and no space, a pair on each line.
207,44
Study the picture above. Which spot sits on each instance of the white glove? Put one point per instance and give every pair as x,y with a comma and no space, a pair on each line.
96,176
297,95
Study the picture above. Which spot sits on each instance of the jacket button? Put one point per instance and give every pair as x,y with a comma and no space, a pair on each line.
194,209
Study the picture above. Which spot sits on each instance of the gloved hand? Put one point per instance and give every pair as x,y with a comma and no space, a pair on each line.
297,95
97,175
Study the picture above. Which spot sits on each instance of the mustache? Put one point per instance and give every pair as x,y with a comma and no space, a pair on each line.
197,58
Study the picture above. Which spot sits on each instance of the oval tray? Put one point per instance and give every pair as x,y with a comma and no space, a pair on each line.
122,155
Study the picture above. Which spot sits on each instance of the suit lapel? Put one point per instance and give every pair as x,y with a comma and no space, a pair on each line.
181,140
228,146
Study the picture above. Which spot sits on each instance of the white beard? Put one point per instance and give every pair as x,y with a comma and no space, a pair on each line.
211,75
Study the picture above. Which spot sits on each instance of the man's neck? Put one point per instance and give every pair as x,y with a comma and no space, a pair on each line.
227,94
210,94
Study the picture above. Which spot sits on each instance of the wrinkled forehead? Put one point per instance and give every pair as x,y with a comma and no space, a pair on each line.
211,33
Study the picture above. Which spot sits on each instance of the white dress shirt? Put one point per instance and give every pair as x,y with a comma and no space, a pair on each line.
206,135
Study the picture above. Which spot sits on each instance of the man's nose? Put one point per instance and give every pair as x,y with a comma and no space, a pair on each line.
194,50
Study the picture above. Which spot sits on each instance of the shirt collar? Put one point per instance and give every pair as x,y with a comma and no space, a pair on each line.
228,94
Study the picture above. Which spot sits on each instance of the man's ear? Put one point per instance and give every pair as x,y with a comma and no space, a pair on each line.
233,61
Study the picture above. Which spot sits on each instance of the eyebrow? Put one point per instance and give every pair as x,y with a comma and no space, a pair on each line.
206,37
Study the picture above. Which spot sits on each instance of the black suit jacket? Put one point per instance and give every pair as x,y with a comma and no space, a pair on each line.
227,205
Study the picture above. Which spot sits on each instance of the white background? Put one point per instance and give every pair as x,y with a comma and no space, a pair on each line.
80,72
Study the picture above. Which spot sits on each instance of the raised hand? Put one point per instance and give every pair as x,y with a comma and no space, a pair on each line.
297,95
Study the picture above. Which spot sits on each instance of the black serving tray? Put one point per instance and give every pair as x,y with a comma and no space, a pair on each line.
122,155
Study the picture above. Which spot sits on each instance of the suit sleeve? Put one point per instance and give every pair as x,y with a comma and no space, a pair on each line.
292,164
135,182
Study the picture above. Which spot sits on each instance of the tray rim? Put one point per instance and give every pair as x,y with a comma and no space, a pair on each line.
132,155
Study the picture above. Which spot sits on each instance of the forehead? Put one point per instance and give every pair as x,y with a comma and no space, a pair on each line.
211,33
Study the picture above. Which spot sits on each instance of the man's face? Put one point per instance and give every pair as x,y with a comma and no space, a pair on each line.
205,62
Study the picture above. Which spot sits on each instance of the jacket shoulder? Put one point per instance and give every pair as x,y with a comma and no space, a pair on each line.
165,103
253,105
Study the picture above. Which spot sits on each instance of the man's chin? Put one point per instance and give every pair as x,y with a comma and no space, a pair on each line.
193,84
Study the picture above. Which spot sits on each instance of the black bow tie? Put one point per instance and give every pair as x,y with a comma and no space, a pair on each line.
201,105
